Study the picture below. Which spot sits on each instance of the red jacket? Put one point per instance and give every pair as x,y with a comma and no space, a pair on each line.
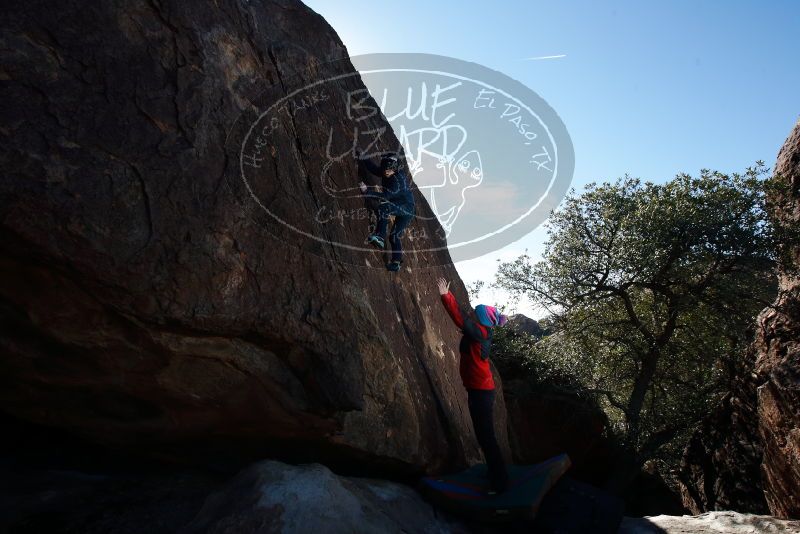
474,368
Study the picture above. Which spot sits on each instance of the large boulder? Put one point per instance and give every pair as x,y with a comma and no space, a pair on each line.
777,345
544,422
274,497
745,454
720,468
147,303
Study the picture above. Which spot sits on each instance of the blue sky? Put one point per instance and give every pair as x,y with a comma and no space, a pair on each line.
645,88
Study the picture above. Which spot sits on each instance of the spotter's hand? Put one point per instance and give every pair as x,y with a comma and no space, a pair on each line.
444,286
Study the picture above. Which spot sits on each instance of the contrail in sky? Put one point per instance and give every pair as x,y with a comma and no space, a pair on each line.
544,57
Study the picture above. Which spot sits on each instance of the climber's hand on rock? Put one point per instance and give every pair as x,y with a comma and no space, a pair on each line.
444,286
362,186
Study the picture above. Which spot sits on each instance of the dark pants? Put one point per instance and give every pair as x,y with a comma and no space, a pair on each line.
481,406
402,217
372,203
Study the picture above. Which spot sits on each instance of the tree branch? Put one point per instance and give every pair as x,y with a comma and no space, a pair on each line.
611,399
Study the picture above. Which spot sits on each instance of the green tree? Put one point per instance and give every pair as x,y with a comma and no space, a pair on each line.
651,288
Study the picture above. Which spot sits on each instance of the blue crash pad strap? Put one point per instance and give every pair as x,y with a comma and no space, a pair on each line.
455,490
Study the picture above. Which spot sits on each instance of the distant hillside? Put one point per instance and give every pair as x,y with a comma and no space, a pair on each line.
525,325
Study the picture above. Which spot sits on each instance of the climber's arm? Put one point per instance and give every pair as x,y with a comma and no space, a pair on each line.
453,311
449,301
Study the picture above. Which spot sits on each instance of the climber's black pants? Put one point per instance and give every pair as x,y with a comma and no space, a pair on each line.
481,405
403,214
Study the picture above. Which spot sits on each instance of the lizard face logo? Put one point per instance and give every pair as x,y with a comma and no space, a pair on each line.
446,183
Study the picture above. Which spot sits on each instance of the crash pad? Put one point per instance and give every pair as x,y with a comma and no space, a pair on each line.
468,493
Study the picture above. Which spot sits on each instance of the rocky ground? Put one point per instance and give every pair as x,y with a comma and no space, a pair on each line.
708,523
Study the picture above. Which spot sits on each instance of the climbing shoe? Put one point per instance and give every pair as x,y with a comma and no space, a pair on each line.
376,241
393,266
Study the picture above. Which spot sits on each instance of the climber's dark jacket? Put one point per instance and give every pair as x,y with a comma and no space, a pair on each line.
396,188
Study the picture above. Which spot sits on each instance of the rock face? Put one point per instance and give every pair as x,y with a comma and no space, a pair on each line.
145,304
746,454
543,424
720,469
778,347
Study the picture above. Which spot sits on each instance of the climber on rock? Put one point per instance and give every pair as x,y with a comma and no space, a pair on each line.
395,199
477,377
